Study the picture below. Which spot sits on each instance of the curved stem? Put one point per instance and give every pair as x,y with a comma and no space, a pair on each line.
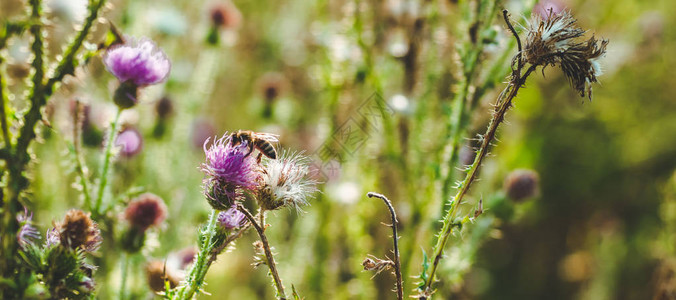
268,253
106,163
503,104
200,267
395,237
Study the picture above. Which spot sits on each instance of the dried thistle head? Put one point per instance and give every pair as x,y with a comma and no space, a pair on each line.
79,231
554,40
372,263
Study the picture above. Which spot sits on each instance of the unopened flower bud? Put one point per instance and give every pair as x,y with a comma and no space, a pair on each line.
145,211
130,142
522,184
164,107
126,95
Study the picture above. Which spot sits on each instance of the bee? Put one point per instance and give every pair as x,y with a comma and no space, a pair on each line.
256,140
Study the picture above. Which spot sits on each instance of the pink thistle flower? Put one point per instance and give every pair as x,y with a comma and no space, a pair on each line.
230,170
140,62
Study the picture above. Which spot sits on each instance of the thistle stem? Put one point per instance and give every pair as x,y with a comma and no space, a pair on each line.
3,113
199,269
107,157
395,238
79,164
503,104
268,253
124,266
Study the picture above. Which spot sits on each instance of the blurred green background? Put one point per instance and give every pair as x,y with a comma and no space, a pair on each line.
602,227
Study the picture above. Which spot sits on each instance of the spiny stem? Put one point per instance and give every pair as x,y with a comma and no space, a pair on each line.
395,237
498,117
503,104
67,64
79,164
199,269
268,254
107,157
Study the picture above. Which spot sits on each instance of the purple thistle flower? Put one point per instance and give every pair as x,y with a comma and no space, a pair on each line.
231,219
229,169
53,237
27,233
140,62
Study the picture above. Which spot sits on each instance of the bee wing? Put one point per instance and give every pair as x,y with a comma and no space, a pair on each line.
272,138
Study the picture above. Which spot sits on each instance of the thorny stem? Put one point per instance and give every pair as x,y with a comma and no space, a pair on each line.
268,254
67,64
107,157
79,164
503,104
199,269
17,155
395,238
17,161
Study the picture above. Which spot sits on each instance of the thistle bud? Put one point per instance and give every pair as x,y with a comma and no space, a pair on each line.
130,142
164,107
522,184
145,211
225,15
78,231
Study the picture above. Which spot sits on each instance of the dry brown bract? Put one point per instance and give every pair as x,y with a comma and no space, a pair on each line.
554,41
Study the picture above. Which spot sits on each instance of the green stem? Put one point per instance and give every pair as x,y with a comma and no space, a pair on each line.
107,157
79,164
124,266
503,104
200,267
3,112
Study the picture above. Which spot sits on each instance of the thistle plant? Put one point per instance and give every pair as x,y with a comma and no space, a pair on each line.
549,42
231,174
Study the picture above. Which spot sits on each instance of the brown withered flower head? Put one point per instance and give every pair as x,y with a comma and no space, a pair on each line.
145,211
554,40
79,231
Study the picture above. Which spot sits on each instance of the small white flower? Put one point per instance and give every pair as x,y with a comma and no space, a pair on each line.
285,182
